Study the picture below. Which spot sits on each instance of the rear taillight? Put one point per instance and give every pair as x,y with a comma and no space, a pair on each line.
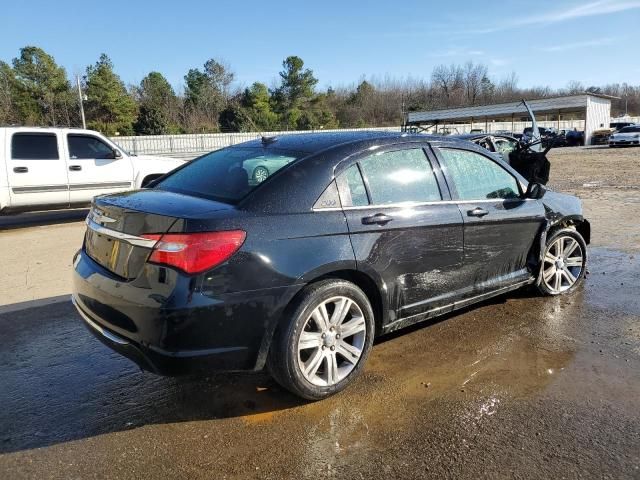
195,252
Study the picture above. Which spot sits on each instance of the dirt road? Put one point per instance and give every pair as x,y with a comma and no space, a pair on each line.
518,387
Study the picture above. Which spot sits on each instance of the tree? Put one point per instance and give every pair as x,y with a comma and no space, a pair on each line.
257,103
363,94
7,86
296,89
234,118
574,87
317,115
159,106
150,121
449,82
207,93
474,76
487,89
109,106
41,91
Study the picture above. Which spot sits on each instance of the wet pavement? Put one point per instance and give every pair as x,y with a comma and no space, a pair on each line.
521,386
517,387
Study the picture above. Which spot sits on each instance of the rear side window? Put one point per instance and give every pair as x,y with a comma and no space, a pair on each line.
630,130
228,175
476,177
352,190
34,146
400,176
86,146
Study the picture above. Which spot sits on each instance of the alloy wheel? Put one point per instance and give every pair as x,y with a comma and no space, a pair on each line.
260,174
332,341
563,264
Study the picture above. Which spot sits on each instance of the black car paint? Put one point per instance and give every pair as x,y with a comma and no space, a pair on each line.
414,267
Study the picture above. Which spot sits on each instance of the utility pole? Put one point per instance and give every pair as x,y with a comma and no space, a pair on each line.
81,100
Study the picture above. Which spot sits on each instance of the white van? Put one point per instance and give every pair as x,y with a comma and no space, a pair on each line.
60,167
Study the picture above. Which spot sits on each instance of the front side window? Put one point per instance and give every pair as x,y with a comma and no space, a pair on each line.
476,177
86,146
630,130
227,175
400,176
34,146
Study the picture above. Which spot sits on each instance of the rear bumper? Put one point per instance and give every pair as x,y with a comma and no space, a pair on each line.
161,362
179,330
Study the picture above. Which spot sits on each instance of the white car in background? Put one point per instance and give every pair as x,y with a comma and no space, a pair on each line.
61,167
629,135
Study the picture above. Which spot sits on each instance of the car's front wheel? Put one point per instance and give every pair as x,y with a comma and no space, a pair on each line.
324,343
564,263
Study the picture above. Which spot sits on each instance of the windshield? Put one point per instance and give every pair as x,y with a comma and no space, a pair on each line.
630,130
227,175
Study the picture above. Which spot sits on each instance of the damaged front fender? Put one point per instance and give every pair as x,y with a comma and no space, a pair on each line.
561,212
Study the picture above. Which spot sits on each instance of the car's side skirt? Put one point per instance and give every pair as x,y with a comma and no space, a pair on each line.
420,317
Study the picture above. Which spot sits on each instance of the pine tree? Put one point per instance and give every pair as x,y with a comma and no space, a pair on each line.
109,106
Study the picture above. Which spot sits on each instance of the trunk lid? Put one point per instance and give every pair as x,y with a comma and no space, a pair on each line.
116,225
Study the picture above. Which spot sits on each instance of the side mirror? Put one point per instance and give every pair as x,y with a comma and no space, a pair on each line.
535,191
117,155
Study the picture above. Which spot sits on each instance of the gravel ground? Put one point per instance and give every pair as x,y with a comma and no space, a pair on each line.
517,387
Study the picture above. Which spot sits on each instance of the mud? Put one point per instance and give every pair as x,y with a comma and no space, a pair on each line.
521,386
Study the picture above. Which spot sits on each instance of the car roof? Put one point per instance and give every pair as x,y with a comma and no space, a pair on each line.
311,143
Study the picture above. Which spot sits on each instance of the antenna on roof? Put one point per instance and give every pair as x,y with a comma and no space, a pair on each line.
269,140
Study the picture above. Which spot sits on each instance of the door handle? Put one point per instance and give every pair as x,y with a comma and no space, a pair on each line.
20,169
75,168
477,212
377,219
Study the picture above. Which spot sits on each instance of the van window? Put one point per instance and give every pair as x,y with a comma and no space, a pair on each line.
34,146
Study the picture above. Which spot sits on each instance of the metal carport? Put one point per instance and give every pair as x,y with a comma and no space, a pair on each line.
594,109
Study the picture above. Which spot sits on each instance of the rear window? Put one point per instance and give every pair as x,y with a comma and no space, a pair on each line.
228,175
630,130
34,146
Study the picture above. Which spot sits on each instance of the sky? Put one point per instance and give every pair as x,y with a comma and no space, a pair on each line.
545,42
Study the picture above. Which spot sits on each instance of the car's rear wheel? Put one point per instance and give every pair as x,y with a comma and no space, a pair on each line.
564,263
260,174
324,343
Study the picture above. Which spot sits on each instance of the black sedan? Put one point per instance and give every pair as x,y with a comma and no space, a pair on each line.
356,235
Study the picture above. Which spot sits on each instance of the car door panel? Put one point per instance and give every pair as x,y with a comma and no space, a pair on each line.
93,170
416,247
500,226
36,169
418,253
498,243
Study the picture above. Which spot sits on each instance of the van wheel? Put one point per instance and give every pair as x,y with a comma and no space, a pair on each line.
564,263
323,345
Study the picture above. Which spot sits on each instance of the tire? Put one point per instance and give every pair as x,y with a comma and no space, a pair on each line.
302,342
260,174
561,272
